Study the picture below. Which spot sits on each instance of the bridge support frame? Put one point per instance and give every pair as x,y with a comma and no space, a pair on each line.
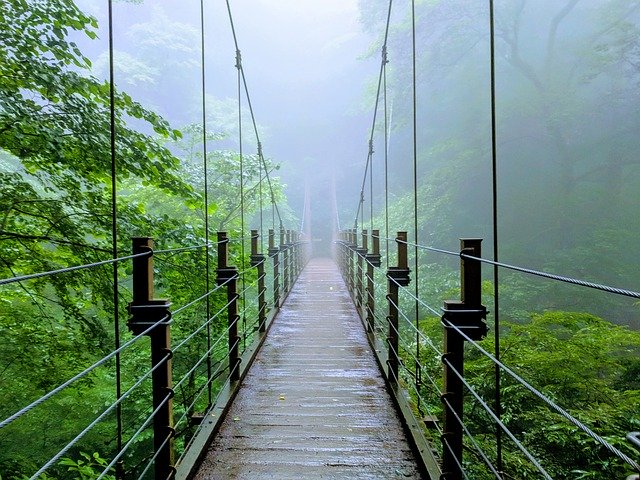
373,260
284,247
396,277
360,253
465,316
351,239
145,311
258,260
228,275
296,255
274,254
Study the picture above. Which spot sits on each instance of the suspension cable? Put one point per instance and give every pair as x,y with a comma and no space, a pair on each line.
494,194
242,242
385,60
206,189
253,117
375,115
114,236
415,180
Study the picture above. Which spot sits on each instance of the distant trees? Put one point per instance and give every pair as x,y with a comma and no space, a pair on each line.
568,177
582,363
56,211
566,106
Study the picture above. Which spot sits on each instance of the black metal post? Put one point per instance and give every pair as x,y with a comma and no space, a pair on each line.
228,275
396,277
296,256
373,260
351,272
360,253
274,253
466,316
144,312
258,260
284,246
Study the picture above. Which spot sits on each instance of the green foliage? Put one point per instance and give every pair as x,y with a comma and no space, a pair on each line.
584,364
86,468
55,211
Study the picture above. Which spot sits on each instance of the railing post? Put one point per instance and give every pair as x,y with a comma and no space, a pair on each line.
360,252
284,246
274,253
373,260
258,260
340,252
228,275
296,255
465,316
351,271
396,277
145,311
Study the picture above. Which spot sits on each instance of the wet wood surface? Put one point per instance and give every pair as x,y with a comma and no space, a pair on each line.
313,404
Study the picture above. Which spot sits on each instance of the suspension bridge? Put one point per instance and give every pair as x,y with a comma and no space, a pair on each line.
310,367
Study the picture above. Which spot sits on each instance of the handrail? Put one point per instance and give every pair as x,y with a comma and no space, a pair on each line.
405,369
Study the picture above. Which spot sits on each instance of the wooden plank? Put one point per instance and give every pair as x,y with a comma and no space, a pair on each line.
314,404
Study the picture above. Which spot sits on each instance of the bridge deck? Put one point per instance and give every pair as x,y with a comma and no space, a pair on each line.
313,405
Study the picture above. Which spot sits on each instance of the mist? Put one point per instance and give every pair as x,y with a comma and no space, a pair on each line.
566,116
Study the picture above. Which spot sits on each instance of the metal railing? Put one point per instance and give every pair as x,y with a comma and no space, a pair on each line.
433,404
209,367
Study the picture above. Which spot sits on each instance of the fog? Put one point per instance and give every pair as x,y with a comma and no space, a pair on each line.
567,117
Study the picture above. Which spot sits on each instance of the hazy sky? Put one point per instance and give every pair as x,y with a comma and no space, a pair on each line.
307,77
303,64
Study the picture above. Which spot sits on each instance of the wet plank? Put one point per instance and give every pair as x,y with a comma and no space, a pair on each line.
313,405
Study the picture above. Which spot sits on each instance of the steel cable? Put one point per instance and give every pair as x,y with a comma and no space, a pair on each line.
530,271
80,375
32,276
424,337
577,423
201,297
560,278
253,118
473,441
499,422
114,222
97,420
131,440
375,115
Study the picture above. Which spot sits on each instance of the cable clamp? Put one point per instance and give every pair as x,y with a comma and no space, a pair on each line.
238,59
171,392
457,316
634,438
169,352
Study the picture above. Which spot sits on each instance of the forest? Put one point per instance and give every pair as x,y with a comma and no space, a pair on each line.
80,179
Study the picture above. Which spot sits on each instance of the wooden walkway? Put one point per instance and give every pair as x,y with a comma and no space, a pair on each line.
313,405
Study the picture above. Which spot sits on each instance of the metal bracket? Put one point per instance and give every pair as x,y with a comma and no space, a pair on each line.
399,275
147,314
273,251
226,274
469,321
373,259
257,259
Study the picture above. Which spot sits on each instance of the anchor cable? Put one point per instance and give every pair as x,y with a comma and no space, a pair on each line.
375,115
206,193
494,193
114,234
